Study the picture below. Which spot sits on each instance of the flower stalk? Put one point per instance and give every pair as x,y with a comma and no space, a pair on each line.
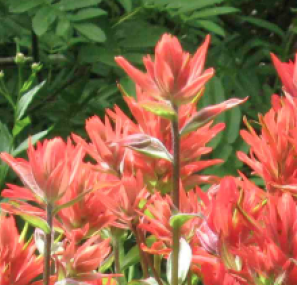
175,194
47,245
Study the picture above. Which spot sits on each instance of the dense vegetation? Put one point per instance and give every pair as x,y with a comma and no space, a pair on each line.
74,42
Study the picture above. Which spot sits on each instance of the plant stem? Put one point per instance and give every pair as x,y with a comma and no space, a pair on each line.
175,195
143,261
117,263
47,246
149,261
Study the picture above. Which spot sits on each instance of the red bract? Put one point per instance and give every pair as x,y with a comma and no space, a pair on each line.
158,172
124,200
108,157
50,170
157,218
18,263
287,71
174,75
78,262
90,214
273,154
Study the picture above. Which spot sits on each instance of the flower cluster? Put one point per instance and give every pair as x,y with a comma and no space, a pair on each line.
141,175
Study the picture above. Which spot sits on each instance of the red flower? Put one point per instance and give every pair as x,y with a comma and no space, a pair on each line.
50,170
79,261
18,263
272,153
90,214
175,75
287,72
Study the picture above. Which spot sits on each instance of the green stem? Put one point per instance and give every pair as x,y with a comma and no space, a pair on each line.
117,257
6,95
47,246
175,195
143,261
149,261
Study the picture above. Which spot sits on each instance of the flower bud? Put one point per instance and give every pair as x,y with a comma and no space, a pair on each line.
1,74
36,67
20,58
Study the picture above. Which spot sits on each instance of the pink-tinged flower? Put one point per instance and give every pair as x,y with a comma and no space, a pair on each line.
287,71
158,172
272,153
79,262
109,157
18,263
124,201
157,214
90,213
174,75
51,168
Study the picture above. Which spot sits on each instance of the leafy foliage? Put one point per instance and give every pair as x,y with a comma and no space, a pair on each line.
76,41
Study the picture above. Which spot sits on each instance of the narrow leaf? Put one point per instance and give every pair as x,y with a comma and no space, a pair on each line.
211,27
24,6
20,125
207,114
147,145
160,109
88,13
213,12
264,24
36,222
26,99
131,258
184,262
196,5
69,5
24,145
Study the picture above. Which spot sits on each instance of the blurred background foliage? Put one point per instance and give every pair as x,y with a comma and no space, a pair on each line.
75,41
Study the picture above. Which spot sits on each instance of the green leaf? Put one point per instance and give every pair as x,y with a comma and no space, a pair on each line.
26,99
211,27
184,262
88,13
194,6
234,119
63,26
20,125
91,31
44,17
5,138
69,5
24,145
160,109
264,24
127,4
36,222
178,220
213,12
146,145
71,202
24,5
131,258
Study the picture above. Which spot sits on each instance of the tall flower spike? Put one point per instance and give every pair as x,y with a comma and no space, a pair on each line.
50,170
174,75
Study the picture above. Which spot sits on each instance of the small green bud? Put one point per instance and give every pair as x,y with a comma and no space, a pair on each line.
1,74
20,58
36,67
